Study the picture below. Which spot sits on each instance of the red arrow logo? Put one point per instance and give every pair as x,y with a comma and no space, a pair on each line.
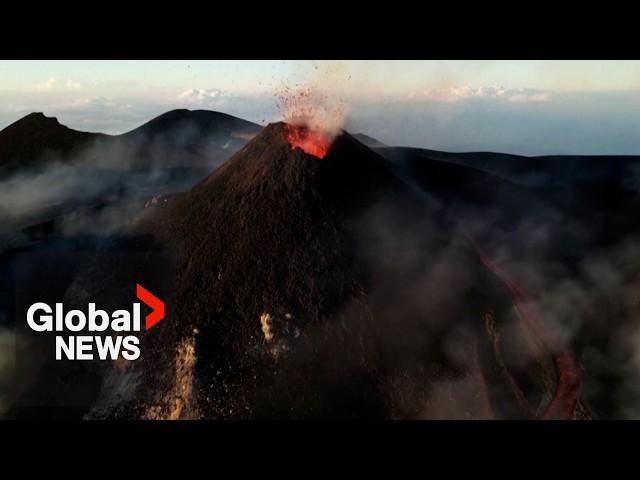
154,302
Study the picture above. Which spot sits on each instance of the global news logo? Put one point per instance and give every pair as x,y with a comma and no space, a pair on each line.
82,343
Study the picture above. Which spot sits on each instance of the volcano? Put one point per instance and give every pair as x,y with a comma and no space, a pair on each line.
276,252
306,285
275,201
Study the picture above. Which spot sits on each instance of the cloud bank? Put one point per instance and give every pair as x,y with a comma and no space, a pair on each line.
454,94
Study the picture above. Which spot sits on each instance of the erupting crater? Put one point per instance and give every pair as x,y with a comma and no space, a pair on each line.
312,119
313,142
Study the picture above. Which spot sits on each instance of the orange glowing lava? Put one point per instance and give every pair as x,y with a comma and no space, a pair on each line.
310,141
313,119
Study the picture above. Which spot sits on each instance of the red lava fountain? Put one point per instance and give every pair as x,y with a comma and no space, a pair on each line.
314,143
312,119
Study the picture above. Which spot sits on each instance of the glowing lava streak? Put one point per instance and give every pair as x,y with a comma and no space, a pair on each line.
564,400
313,142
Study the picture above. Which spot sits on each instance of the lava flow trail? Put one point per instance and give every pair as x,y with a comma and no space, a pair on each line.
564,400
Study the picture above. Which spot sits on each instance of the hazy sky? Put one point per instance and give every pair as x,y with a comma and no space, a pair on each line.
529,107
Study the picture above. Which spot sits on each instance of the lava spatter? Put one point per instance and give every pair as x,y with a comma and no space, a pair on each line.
313,120
313,142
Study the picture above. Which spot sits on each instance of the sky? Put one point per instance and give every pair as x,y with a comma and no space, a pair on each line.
524,107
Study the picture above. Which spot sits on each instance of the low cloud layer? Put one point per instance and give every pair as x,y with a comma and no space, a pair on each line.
202,97
463,93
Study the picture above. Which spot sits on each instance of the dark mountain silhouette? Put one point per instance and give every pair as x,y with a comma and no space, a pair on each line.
177,138
457,184
188,138
595,191
36,137
553,171
186,127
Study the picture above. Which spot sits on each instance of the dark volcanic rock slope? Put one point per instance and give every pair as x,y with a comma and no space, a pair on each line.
281,258
261,231
308,287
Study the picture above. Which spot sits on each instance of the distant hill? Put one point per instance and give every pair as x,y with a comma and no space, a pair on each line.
187,138
35,137
186,127
463,186
555,171
595,192
175,139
